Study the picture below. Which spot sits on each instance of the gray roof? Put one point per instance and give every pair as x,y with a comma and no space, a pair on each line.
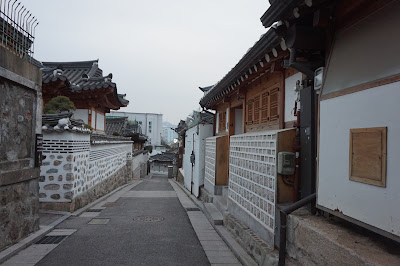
253,56
79,76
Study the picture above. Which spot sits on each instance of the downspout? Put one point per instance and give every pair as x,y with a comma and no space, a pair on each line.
283,218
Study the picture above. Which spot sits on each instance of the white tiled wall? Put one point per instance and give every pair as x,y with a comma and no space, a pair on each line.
211,145
252,175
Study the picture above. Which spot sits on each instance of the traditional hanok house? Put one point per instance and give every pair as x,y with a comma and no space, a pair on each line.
160,163
255,117
356,127
83,82
120,126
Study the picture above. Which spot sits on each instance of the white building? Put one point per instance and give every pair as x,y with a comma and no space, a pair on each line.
168,133
151,124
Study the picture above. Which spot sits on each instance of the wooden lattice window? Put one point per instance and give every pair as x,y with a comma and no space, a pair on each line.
274,105
250,112
256,119
264,107
368,155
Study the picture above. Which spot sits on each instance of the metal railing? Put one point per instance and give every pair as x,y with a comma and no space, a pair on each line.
17,28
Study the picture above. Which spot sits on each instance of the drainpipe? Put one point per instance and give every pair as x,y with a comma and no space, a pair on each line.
283,217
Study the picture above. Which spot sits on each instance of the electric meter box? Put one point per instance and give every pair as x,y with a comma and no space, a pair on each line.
286,163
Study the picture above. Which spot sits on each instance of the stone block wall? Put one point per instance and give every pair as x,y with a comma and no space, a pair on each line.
75,172
139,164
20,116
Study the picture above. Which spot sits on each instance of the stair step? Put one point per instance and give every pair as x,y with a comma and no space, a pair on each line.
213,215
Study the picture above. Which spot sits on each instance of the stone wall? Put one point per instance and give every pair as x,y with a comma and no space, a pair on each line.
75,172
20,116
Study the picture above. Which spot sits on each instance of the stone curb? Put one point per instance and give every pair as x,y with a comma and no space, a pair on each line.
236,249
32,238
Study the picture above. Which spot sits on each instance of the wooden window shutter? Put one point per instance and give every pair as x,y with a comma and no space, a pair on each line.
274,105
250,112
257,110
264,107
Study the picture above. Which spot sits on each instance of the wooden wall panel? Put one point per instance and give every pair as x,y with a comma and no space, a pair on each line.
222,161
285,193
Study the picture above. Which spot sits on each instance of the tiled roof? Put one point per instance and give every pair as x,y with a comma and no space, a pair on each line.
115,125
206,89
80,77
85,75
163,157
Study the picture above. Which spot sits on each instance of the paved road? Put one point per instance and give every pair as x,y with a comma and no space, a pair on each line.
124,241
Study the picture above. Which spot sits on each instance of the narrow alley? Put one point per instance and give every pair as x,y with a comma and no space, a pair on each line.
145,223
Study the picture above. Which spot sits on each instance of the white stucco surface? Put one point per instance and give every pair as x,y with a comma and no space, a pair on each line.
81,114
290,96
197,143
376,107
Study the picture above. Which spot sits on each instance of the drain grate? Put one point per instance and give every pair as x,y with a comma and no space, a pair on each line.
51,240
148,219
94,210
192,209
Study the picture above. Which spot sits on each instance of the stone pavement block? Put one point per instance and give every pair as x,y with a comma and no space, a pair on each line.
226,260
149,194
208,237
61,232
89,214
99,221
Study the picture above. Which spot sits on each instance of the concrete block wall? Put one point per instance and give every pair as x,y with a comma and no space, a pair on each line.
210,161
252,177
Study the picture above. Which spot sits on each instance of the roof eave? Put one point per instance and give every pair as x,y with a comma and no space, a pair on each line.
276,11
268,41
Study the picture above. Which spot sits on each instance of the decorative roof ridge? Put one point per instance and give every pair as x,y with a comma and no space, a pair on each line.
72,64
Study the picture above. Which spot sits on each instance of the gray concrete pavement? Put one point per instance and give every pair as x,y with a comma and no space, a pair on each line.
146,223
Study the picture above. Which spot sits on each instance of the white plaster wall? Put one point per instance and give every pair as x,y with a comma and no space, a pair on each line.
72,166
373,205
62,173
238,121
290,96
81,114
99,121
204,132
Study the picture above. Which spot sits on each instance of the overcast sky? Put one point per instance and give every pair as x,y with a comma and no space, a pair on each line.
159,51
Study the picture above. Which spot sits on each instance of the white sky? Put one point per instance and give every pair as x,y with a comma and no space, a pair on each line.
159,51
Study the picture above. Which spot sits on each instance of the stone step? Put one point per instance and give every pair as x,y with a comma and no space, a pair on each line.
221,203
213,214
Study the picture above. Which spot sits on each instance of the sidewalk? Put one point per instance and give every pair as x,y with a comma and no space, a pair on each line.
150,223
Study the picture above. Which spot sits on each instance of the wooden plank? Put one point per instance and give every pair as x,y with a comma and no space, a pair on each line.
367,151
285,193
222,161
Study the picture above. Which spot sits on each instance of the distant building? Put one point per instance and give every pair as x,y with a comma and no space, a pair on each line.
168,134
151,124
